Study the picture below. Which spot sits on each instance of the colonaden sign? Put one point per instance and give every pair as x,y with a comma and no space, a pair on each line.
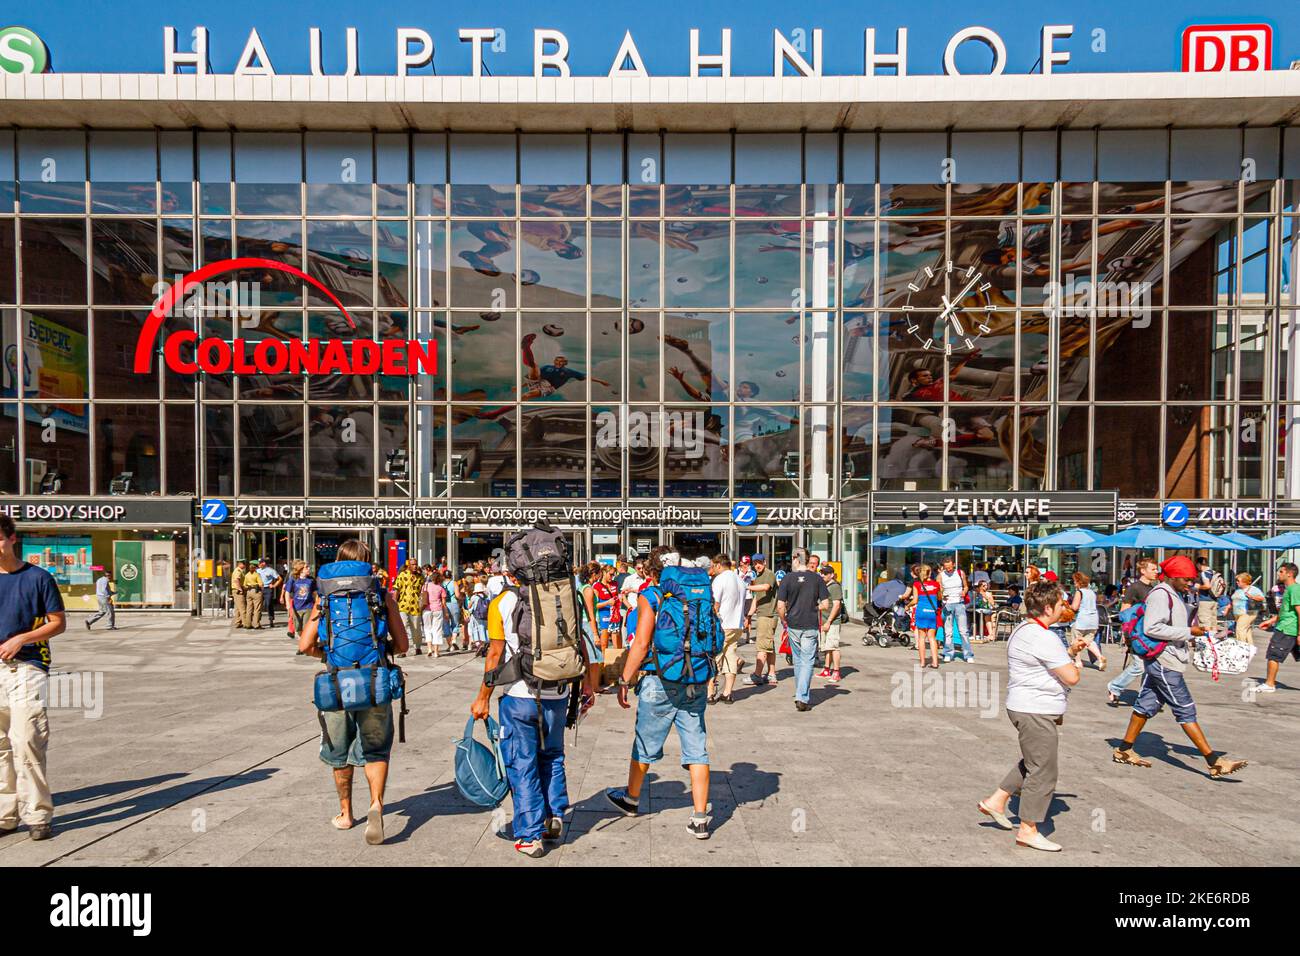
185,353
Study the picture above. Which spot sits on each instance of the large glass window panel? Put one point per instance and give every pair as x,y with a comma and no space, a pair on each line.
860,264
215,173
128,442
1256,248
340,255
125,266
643,356
606,255
1252,442
553,353
330,324
395,326
767,356
909,443
177,248
697,264
987,372
219,450
817,463
606,174
1031,433
644,450
607,443
54,261
694,441
340,450
1071,359
123,168
58,446
1203,262
906,249
392,440
765,448
9,448
7,179
394,264
485,356
52,171
820,351
1253,355
911,174
1205,167
176,171
340,169
484,448
861,330
483,264
697,169
116,334
1204,343
1130,263
1126,446
820,272
279,240
981,441
429,165
1128,358
697,359
430,262
857,440
56,360
8,269
767,264
986,167
643,247
429,462
606,373
553,173
1132,166
1197,452
553,266
983,251
554,455
284,326
859,174
392,170
182,450
270,450
483,173
1072,448
268,174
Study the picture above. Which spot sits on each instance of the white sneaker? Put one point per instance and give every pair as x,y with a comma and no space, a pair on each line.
1265,688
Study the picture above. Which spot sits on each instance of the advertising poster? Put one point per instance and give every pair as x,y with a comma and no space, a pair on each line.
160,572
128,571
66,558
55,366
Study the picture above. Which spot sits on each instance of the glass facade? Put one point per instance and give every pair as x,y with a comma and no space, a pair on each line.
664,316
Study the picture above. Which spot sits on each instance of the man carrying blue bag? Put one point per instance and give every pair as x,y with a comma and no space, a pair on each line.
355,628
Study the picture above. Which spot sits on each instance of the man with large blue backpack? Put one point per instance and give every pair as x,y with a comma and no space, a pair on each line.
678,639
355,628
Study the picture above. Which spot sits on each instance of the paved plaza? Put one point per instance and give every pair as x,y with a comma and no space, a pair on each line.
204,753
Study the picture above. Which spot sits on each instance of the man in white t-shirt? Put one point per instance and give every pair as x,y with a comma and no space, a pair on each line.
1040,673
534,761
729,604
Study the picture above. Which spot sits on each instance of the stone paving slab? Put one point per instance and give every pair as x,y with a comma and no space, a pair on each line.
205,754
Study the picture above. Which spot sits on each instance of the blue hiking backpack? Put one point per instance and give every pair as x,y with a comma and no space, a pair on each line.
480,773
354,636
1132,624
688,636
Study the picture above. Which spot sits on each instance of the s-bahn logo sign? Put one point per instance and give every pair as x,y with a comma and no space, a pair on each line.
188,354
22,51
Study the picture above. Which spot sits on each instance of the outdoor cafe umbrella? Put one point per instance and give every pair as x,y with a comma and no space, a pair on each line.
973,536
916,538
1071,538
1147,536
1245,540
1282,542
1214,542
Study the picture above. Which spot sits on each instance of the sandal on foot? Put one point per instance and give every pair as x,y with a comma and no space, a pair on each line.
1130,758
338,824
375,825
998,817
1223,766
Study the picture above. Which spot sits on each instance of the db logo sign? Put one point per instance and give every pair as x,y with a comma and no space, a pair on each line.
1228,48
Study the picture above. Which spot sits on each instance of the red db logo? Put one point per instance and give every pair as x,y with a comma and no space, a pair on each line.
1228,48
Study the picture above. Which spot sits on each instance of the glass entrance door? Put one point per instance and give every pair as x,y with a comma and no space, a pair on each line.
325,543
697,544
280,546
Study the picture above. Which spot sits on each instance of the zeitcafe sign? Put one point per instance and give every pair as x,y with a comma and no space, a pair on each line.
800,51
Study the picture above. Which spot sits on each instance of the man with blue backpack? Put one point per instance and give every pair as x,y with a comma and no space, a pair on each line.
678,638
355,629
1159,635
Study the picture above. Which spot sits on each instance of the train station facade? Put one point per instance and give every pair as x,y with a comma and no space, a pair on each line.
730,315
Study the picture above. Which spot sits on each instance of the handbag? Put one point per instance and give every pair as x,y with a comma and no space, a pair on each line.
480,772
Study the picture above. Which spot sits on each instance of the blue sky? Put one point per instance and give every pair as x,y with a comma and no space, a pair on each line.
101,37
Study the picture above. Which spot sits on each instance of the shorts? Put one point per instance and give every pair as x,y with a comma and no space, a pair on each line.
766,629
1163,686
356,737
662,706
829,639
594,654
1207,614
1279,646
927,619
728,662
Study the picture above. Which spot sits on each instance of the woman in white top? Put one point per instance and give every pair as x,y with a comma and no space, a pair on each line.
1084,627
1040,673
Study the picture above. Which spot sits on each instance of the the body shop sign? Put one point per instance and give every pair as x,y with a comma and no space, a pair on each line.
188,354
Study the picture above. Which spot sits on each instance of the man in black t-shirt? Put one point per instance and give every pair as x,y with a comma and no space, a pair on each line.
1135,593
31,612
800,599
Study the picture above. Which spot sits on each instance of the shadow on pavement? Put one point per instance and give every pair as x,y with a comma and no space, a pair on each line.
442,800
156,800
111,788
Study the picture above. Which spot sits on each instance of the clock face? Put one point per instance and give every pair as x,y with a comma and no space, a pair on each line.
963,297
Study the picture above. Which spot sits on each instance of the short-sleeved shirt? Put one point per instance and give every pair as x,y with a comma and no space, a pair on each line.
1241,596
101,587
729,596
302,592
1207,577
1033,652
1136,593
436,597
766,606
252,580
802,591
836,592
268,576
1286,616
408,586
558,376
27,597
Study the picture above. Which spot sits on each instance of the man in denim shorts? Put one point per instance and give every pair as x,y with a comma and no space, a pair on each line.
661,706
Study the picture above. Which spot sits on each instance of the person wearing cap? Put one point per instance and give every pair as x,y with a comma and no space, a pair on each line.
762,610
829,638
1166,619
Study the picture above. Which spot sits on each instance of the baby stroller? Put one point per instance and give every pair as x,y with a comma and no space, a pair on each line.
886,626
